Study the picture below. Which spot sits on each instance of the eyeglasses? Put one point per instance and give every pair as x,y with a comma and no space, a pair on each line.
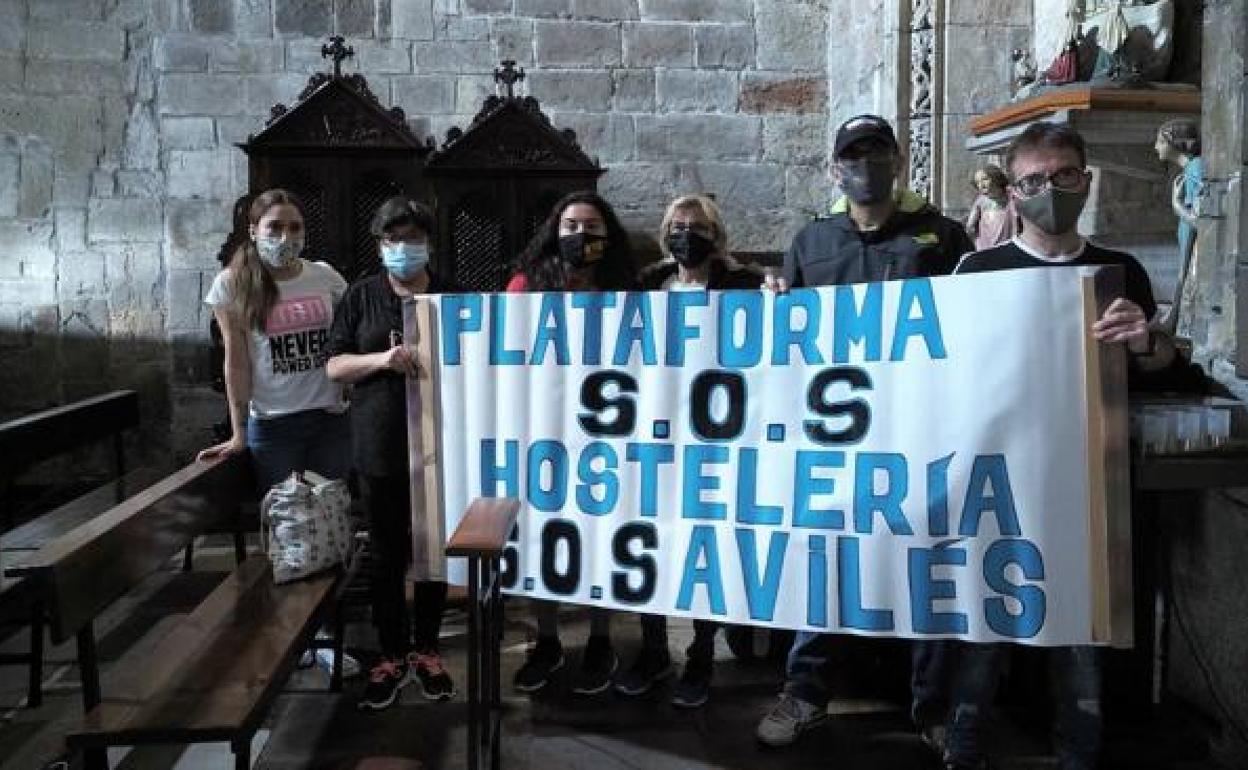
1069,178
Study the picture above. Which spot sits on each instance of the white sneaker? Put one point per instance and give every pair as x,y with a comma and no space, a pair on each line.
350,666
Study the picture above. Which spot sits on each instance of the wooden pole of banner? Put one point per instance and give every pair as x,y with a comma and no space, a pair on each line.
428,443
1109,483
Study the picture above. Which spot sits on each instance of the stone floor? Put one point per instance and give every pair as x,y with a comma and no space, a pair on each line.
310,728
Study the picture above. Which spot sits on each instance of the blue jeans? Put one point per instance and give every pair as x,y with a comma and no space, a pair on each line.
809,661
312,440
1075,683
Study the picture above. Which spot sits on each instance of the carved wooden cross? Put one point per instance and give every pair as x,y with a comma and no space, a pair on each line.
337,51
508,75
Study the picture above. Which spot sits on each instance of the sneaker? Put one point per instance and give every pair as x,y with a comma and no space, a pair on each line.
598,664
787,720
650,667
384,682
935,737
544,659
429,671
350,666
693,689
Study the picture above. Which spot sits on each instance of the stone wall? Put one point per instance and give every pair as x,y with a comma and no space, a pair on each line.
118,120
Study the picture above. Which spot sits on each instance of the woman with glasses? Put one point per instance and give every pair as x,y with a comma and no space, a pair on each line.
694,244
366,350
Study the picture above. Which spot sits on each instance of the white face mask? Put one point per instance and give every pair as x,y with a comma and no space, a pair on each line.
279,252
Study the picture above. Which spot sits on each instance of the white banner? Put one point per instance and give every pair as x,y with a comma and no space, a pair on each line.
902,459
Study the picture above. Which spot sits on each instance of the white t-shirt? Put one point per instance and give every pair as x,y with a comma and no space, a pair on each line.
288,358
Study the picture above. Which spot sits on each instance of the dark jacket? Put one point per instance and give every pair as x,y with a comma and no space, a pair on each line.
916,241
726,273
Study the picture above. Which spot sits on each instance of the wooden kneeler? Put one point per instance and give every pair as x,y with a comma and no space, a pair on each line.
480,537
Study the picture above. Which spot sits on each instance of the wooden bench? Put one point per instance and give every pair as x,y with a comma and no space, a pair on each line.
205,677
34,438
481,537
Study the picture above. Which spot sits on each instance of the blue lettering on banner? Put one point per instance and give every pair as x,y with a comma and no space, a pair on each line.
918,292
925,590
805,339
858,326
1030,618
499,354
703,550
591,477
749,510
553,454
938,496
650,456
679,332
593,303
552,329
888,503
748,354
989,471
806,485
760,594
492,473
636,328
460,313
694,482
849,571
817,582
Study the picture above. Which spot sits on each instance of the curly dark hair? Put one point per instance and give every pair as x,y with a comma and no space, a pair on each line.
544,270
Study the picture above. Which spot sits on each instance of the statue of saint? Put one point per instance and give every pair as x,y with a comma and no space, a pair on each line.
992,219
1178,143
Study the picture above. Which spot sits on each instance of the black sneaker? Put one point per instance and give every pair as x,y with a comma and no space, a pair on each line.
544,659
384,682
427,668
693,688
598,664
650,667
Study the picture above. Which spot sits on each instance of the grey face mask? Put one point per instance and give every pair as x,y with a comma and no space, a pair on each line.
1053,211
867,181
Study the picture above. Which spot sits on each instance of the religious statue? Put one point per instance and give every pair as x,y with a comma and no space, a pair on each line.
1178,143
1024,70
1124,43
992,219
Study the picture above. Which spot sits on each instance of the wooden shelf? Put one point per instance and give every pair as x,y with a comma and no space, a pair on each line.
1087,98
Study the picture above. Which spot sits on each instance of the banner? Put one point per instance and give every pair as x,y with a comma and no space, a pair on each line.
921,458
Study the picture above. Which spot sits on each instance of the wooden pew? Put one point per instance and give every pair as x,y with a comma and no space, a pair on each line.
34,438
209,676
481,537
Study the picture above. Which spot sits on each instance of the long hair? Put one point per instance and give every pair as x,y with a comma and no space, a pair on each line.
540,263
253,283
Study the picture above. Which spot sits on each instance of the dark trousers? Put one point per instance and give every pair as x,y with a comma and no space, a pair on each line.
1075,684
654,636
387,500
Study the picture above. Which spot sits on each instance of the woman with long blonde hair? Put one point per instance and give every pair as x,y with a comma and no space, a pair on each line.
275,309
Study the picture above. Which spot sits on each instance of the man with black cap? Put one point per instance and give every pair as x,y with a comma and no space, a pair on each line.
874,232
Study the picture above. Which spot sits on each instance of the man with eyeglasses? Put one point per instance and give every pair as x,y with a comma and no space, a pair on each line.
876,231
1050,183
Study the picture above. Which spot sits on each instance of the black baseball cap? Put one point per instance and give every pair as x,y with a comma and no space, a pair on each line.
864,127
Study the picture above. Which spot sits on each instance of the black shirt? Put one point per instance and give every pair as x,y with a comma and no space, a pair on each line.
1009,256
369,319
916,241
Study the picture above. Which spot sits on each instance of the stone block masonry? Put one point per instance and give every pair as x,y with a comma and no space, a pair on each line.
118,166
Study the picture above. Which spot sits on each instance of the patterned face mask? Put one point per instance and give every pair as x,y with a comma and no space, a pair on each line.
279,252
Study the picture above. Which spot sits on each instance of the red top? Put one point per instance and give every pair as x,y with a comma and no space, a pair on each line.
518,282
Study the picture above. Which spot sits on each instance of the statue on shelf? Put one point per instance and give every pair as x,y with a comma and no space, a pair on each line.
1120,43
992,219
1024,70
1178,143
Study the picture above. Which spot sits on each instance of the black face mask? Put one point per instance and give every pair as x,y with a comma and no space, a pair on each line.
690,249
1053,211
867,181
581,249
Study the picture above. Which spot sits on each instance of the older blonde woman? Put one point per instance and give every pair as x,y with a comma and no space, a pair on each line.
694,243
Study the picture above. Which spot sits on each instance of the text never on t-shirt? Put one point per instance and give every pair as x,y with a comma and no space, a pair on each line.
288,357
